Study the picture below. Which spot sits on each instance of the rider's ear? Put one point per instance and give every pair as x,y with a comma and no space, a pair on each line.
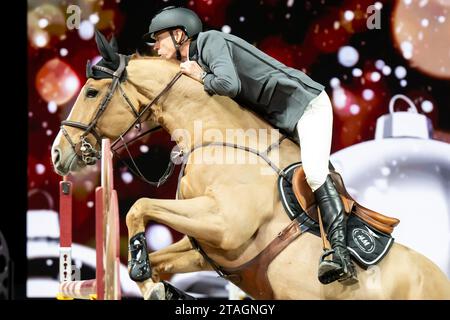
105,49
180,35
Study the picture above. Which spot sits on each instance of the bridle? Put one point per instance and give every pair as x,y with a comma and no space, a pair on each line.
87,153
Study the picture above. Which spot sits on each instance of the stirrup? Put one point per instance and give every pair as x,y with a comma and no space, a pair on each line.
330,270
325,254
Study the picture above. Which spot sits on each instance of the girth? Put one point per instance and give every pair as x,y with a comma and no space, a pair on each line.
252,276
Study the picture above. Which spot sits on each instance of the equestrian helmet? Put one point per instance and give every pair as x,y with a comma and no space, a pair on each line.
174,17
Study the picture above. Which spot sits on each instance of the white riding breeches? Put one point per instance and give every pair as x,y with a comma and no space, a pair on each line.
315,130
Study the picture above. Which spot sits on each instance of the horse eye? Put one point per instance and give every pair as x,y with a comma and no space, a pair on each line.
91,93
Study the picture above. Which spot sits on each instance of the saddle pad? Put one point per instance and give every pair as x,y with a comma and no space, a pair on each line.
367,246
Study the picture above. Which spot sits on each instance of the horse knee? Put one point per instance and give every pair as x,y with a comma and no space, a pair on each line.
134,215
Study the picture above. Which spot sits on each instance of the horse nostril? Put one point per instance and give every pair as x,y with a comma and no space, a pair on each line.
56,156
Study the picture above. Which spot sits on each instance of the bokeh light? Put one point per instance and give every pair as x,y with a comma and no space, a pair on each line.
419,29
57,82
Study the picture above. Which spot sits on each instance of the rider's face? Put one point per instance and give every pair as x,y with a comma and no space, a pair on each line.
164,45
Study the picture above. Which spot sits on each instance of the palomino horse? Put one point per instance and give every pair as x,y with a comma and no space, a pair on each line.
232,210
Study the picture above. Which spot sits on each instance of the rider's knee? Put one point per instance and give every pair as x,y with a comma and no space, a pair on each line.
316,180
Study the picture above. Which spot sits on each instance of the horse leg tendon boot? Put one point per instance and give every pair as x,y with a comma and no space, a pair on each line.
139,263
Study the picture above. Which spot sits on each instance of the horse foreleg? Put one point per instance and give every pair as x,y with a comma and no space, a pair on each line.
194,217
197,217
178,257
179,262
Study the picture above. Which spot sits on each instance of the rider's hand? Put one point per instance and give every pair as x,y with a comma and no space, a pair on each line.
192,69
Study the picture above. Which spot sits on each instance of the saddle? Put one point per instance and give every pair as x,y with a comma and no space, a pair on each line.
305,198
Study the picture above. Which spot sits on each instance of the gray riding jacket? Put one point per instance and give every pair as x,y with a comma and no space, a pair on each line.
252,78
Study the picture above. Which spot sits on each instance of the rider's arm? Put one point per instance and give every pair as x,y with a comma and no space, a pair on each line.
223,79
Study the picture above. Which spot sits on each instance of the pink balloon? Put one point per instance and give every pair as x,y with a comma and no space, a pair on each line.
57,81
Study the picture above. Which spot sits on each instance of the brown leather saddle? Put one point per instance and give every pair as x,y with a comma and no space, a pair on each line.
306,199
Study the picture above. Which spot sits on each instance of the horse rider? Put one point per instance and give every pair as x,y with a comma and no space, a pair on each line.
285,97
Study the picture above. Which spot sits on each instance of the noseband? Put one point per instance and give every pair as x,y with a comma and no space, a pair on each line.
84,150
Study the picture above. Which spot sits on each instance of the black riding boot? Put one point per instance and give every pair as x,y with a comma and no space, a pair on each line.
340,267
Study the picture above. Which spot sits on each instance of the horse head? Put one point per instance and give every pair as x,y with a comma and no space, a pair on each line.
107,106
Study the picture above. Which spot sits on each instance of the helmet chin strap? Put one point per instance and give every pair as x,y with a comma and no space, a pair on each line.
177,45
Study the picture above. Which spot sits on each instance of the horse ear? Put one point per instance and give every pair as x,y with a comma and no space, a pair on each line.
104,47
89,73
113,44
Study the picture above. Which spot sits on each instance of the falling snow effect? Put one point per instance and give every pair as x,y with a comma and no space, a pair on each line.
349,15
52,107
143,148
94,18
424,23
226,29
357,72
386,70
43,23
40,168
400,72
375,76
426,106
348,56
86,30
63,52
158,237
407,49
354,109
379,64
127,177
368,94
339,98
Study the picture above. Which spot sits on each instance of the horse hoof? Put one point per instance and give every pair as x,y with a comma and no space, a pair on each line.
158,292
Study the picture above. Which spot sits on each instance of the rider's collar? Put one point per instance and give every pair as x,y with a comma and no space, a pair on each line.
193,53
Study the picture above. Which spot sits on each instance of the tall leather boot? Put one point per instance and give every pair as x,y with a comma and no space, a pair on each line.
340,267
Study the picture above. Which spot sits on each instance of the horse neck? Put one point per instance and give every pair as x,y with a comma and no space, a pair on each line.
189,114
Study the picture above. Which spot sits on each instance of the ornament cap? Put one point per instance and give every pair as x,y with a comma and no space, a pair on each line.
397,124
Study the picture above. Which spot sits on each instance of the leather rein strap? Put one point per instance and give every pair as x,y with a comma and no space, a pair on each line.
135,170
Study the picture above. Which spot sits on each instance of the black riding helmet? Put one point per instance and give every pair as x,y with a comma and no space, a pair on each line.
171,18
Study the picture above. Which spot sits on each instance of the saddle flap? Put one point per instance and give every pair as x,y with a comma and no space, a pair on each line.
305,195
306,199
